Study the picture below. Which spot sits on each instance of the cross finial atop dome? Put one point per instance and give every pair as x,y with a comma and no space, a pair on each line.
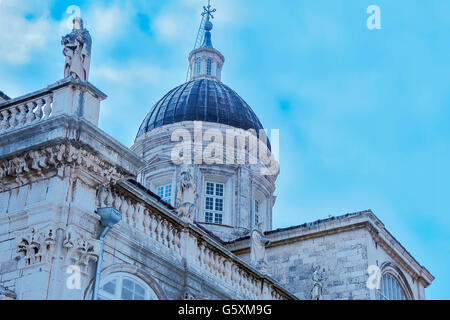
208,12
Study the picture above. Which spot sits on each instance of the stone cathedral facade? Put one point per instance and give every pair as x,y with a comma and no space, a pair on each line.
83,216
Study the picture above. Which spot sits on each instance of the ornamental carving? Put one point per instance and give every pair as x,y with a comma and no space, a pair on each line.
37,246
79,249
50,161
42,246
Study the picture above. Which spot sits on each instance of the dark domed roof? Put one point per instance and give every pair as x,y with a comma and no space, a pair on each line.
201,100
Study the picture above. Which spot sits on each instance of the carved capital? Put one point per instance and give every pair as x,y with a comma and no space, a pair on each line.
79,249
37,245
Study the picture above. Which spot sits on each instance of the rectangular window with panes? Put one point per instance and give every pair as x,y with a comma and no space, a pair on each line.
214,202
165,192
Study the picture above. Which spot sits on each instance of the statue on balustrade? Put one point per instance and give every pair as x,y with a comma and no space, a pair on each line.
258,248
77,50
186,195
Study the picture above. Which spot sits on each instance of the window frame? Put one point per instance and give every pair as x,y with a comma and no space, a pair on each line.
392,286
256,216
164,197
215,197
209,63
119,277
198,66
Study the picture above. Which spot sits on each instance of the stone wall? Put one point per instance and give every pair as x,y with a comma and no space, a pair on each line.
342,258
343,247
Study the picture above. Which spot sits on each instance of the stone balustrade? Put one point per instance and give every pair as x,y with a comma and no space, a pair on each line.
26,112
142,219
68,96
170,233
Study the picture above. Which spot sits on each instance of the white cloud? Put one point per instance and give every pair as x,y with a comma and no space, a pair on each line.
129,75
25,28
173,26
181,20
107,23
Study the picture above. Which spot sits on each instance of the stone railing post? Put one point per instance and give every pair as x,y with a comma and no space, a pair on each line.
79,99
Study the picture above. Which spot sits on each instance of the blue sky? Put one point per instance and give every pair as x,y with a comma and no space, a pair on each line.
363,114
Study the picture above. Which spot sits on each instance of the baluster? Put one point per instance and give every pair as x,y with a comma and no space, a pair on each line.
216,264
38,113
159,230
200,256
228,272
146,221
233,277
30,114
129,212
117,201
48,106
5,123
123,204
164,232
171,231
13,118
153,226
209,260
109,198
205,258
138,218
124,209
176,241
220,266
22,115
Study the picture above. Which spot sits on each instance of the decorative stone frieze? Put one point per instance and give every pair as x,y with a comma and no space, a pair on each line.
50,161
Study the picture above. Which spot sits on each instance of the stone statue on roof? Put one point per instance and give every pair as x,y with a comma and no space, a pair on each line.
187,194
258,248
77,50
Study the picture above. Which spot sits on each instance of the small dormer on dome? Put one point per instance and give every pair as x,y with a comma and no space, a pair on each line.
206,61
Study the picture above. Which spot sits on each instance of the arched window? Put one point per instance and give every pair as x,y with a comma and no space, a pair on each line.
209,66
198,64
124,286
390,289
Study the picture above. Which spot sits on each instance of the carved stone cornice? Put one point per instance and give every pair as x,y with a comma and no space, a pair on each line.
54,160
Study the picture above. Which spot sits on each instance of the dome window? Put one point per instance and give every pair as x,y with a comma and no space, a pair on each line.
165,192
209,66
214,203
198,64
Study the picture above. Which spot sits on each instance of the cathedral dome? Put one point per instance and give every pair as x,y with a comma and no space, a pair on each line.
205,100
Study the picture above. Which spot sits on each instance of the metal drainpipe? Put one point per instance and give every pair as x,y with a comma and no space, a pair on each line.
109,218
